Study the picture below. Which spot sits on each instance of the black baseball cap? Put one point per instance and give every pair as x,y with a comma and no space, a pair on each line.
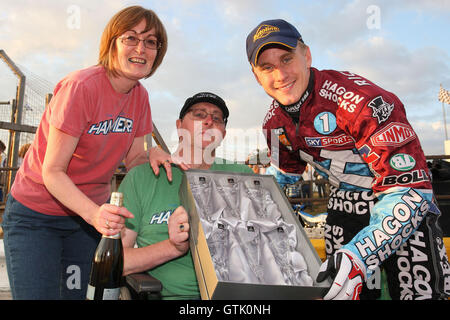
205,97
271,32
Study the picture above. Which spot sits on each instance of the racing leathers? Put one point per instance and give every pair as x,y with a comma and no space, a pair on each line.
356,135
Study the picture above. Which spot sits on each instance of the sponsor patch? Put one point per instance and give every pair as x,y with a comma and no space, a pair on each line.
346,100
271,112
394,134
325,123
381,109
321,142
406,178
282,136
402,162
395,228
360,81
367,154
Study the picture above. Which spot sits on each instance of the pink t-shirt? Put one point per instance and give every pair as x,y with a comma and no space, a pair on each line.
86,106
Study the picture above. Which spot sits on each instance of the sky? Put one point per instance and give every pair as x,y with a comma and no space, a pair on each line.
403,46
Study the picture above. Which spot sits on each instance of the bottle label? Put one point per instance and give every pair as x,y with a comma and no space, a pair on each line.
108,293
90,292
111,294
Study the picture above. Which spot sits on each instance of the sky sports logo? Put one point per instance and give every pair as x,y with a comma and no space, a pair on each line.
321,142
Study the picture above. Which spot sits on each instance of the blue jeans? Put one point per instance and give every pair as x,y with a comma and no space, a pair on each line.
47,257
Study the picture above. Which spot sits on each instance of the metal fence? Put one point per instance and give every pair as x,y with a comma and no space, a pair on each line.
19,117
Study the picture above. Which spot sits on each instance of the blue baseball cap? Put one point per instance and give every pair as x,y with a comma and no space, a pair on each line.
275,32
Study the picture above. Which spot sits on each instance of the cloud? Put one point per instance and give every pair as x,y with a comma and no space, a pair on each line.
413,75
55,36
207,49
431,135
393,65
436,6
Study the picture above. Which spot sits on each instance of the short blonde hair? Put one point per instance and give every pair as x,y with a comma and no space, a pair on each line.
122,22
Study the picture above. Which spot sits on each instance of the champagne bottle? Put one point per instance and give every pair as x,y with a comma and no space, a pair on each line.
107,265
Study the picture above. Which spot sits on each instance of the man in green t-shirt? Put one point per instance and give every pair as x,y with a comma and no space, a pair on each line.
162,245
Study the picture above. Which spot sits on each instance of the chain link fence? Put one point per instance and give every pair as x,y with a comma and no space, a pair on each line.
20,113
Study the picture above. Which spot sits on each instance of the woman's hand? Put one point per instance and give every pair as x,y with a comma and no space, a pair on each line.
110,219
179,230
158,157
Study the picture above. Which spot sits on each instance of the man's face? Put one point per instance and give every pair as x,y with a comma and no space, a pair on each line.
284,74
200,128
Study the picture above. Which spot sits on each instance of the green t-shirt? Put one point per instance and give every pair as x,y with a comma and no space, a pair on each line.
152,199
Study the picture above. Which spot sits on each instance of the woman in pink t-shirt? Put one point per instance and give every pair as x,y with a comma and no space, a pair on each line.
97,118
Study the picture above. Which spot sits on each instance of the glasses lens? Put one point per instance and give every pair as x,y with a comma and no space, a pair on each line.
217,119
201,115
134,41
130,40
151,43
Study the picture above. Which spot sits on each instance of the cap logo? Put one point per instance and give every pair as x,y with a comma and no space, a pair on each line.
264,31
206,95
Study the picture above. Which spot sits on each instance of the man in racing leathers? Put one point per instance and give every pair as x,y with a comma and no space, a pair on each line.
381,210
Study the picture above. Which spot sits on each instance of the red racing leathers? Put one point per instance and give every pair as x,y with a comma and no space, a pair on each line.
357,136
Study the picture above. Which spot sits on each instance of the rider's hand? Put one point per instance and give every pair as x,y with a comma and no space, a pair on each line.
347,275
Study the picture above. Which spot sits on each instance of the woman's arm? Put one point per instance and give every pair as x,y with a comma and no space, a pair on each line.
137,154
60,149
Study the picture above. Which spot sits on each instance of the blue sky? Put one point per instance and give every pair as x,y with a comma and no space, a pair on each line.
406,51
